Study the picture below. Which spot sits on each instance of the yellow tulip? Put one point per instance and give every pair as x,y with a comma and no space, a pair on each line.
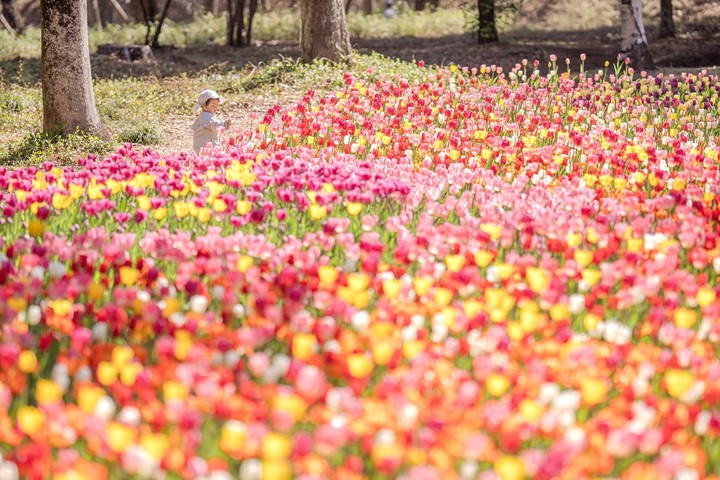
573,239
95,291
47,392
491,229
276,470
36,228
181,209
583,257
497,384
391,287
233,436
243,207
509,467
120,437
303,345
88,397
531,410
244,263
129,276
143,202
359,365
685,317
678,382
327,274
538,279
594,390
276,446
443,296
422,285
174,390
590,321
358,282
706,296
413,348
27,361
291,404
454,263
107,374
505,270
156,444
515,330
30,419
354,208
317,212
160,213
472,308
204,214
121,356
61,307
60,201
483,258
591,277
559,311
382,352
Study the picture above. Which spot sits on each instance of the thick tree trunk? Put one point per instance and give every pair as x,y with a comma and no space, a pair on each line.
68,99
9,10
211,6
667,24
487,29
420,5
368,7
632,33
323,30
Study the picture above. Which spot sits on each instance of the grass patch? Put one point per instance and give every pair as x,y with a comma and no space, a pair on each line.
143,133
36,148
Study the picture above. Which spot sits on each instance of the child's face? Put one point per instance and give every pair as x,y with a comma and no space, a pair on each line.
212,105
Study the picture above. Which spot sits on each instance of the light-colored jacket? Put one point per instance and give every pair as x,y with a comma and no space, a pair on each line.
205,130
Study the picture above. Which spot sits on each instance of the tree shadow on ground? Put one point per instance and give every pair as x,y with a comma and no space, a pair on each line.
687,51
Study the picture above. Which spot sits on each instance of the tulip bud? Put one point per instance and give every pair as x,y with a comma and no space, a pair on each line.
34,315
251,469
105,407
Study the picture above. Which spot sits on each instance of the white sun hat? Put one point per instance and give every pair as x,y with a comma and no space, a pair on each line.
206,95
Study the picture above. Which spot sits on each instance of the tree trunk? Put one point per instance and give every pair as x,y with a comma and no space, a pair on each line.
251,15
119,10
667,24
419,5
323,30
68,98
9,10
487,29
95,8
368,7
211,6
158,27
632,33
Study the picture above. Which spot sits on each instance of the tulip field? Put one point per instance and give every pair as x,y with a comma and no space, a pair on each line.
475,275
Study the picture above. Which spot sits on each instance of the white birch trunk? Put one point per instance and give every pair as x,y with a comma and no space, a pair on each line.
633,41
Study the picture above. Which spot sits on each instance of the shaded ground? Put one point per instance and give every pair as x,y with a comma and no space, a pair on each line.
600,45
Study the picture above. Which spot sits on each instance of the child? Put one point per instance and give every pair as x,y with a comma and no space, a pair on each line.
205,128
